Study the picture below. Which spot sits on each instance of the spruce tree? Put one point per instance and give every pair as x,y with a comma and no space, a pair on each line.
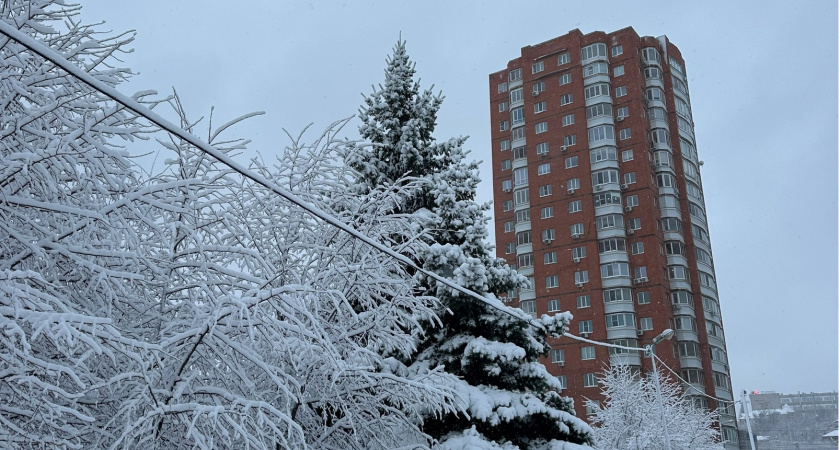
510,400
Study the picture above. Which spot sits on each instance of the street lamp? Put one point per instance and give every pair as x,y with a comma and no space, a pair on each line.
649,349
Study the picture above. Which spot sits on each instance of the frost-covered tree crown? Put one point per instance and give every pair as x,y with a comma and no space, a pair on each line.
634,414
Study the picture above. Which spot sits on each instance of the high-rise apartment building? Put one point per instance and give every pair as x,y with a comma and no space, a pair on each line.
599,201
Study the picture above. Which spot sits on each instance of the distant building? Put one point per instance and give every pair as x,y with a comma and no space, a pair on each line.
812,401
599,202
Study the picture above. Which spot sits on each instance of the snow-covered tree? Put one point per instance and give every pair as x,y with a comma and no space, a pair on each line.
192,308
509,399
634,415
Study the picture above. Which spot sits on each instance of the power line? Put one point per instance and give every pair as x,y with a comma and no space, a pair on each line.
639,349
133,105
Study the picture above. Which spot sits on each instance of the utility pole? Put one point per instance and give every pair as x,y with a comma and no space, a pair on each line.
745,402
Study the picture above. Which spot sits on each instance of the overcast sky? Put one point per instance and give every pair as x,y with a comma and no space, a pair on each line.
763,79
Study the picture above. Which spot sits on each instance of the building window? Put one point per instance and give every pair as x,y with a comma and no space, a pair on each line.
548,235
509,247
635,224
579,253
507,205
672,224
643,297
646,323
660,136
543,169
617,295
516,96
539,107
552,281
563,58
617,50
566,99
517,115
678,273
582,276
693,376
547,212
615,269
596,90
521,196
637,248
674,248
520,176
558,356
549,257
599,110
505,125
528,306
538,87
681,298
519,152
541,127
600,133
653,73
626,155
537,67
502,87
523,237
609,221
612,245
568,119
595,69
686,323
571,161
523,216
707,281
654,93
515,75
506,164
577,229
569,140
506,185
566,78
590,380
525,260
602,154
722,381
585,326
620,320
505,145
640,272
620,91
587,352
503,106
632,200
545,190
573,183
624,133
508,227
593,51
604,177
618,71
623,112
630,178
542,148
575,206
607,198
583,301
553,305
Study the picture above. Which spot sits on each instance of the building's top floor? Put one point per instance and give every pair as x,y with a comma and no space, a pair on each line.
566,49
